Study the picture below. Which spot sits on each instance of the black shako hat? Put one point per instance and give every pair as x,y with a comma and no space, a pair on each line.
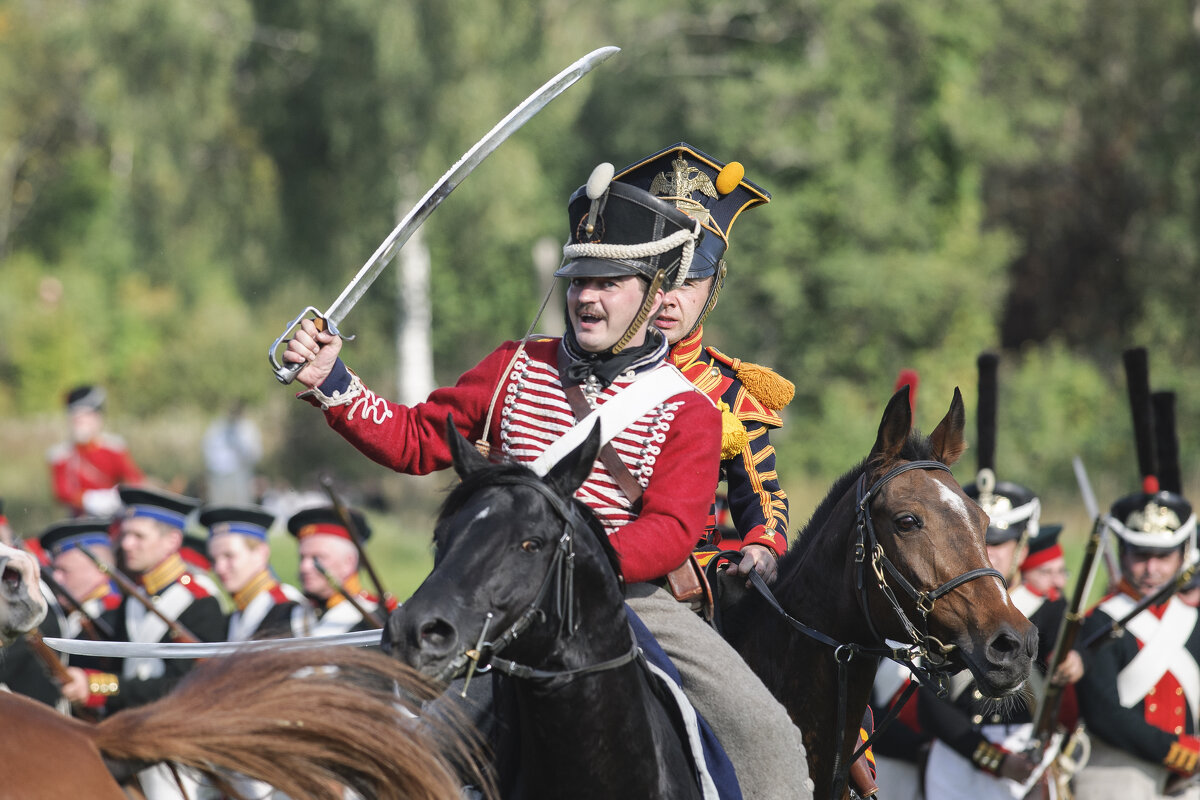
252,521
326,520
63,536
618,229
166,507
705,189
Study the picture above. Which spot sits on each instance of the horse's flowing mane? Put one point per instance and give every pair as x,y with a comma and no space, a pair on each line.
917,447
304,721
502,472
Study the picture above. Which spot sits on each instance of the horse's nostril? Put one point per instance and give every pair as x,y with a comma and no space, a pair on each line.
1004,646
436,634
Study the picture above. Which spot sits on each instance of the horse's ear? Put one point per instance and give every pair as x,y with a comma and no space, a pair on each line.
893,428
466,458
947,438
572,470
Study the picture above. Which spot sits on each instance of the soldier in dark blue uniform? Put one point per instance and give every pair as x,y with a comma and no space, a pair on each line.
749,396
241,554
151,536
1141,695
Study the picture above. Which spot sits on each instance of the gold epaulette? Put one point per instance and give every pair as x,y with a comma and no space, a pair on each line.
766,385
733,433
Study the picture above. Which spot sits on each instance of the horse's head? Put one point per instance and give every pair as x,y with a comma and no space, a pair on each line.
929,534
22,606
514,553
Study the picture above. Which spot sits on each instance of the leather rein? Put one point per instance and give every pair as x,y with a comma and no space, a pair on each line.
559,579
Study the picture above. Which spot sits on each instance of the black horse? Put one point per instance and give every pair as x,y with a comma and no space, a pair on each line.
525,581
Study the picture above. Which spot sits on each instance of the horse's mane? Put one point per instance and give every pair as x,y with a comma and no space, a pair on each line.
301,720
498,473
917,447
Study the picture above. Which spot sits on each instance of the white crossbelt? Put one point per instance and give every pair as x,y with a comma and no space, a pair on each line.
1163,651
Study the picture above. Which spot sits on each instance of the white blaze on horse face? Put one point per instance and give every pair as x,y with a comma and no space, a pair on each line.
956,504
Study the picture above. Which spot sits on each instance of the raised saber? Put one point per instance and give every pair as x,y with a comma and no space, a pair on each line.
378,261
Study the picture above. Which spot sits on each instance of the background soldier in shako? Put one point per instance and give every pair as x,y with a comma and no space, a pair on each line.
323,538
85,471
241,558
151,535
749,396
1044,568
1141,695
77,574
978,750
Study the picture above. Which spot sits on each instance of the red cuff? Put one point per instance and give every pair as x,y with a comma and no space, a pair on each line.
759,534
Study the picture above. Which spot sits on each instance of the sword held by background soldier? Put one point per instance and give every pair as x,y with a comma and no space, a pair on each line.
340,588
178,632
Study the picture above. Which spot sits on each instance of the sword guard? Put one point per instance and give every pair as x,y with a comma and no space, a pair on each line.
286,373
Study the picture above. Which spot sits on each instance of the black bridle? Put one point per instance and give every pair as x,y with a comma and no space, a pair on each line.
925,656
559,579
882,567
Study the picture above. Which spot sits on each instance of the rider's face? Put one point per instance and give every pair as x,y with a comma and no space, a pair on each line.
682,308
601,310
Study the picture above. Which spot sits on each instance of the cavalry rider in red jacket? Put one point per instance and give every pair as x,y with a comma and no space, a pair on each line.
625,248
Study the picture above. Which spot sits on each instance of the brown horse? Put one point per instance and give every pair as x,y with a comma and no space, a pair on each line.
22,606
895,551
308,722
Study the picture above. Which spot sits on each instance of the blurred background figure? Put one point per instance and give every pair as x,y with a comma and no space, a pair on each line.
329,574
1044,569
86,470
241,555
232,448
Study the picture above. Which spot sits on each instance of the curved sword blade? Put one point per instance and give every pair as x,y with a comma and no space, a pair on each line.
440,190
85,647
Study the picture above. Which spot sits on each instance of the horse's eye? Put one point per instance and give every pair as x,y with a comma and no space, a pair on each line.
531,545
907,522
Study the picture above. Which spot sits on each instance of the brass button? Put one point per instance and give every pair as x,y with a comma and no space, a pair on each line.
1178,729
1178,691
1153,707
978,718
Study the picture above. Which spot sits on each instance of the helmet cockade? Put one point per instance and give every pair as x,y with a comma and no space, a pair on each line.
679,185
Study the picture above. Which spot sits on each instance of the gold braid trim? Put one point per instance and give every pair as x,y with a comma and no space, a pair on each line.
643,313
103,684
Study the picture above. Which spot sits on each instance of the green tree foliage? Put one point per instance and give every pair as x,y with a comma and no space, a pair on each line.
179,180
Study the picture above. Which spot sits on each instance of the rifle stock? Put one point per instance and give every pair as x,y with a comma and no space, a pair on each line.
1046,718
355,537
178,632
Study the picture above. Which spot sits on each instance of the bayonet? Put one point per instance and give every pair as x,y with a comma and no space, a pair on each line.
332,317
1111,562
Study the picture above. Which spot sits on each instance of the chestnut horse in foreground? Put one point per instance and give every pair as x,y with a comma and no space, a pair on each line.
308,722
894,551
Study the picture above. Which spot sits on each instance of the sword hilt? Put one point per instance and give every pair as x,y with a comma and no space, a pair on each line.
286,373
